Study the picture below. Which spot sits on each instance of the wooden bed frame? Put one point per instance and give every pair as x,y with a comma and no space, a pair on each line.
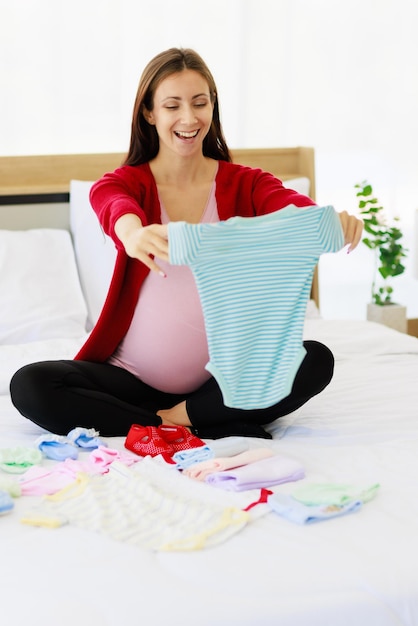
34,190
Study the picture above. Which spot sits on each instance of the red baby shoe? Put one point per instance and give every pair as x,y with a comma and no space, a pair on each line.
146,440
179,438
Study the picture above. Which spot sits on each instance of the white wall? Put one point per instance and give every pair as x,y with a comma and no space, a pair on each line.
340,76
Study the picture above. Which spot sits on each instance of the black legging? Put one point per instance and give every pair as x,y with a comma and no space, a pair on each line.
60,395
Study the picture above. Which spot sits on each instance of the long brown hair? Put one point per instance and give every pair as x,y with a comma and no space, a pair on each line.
144,143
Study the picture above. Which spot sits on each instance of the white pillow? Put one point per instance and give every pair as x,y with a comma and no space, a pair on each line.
95,251
301,185
40,292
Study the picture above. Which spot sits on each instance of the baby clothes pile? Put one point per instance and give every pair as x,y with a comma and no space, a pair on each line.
168,490
22,460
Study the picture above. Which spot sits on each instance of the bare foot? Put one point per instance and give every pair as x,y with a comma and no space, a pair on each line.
176,416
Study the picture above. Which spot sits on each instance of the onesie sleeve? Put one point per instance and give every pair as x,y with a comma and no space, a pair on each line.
330,232
183,242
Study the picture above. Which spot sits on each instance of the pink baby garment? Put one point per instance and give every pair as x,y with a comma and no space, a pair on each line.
40,480
199,471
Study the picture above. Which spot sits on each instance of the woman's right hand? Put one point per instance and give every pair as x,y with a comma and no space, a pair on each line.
143,242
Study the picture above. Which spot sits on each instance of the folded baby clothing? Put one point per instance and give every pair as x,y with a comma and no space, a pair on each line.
146,505
313,502
187,458
218,448
199,471
266,473
286,506
40,480
229,446
319,494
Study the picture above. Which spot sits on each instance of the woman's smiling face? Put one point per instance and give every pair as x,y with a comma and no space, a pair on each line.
182,112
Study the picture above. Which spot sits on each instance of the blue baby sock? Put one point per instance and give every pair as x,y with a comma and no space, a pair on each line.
6,502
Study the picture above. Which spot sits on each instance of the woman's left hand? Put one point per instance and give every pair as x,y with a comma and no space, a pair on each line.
352,228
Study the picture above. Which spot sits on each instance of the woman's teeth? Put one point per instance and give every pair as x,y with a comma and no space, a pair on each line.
185,135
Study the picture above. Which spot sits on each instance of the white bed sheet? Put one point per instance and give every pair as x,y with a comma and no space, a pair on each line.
358,569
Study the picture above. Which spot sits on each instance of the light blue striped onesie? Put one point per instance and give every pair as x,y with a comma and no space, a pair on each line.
254,276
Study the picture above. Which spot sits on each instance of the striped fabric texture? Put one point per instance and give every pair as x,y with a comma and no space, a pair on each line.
254,277
146,505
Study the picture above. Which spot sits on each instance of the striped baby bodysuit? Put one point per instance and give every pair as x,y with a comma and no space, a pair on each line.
254,276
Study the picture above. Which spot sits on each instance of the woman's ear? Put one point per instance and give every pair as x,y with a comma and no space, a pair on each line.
148,116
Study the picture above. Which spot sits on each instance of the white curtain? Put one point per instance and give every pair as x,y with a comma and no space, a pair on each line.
340,76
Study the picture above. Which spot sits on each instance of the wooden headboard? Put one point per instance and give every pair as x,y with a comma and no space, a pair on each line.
51,174
34,190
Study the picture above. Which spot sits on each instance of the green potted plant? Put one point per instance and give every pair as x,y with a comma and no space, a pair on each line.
384,238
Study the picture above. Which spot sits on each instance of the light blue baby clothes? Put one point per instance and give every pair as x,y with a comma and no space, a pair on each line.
286,506
6,502
254,277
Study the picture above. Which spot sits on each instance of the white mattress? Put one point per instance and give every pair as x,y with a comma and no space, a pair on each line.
360,569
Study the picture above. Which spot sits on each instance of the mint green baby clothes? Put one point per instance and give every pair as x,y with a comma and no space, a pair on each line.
288,507
254,278
317,494
18,460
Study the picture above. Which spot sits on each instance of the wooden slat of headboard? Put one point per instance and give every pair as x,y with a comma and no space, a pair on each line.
285,163
51,174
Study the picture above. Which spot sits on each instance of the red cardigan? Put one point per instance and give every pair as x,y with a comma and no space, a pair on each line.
239,191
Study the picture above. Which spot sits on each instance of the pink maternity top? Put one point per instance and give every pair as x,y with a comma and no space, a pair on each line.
166,345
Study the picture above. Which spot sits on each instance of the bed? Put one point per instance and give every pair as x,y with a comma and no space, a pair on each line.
359,568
